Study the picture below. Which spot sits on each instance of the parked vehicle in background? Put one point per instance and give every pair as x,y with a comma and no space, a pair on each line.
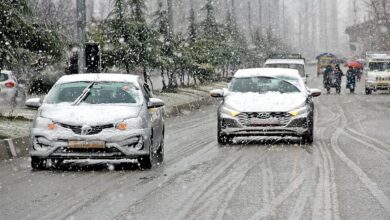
290,61
8,88
377,71
98,116
266,102
325,59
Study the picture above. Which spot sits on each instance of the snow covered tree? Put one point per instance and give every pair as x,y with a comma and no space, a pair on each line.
24,42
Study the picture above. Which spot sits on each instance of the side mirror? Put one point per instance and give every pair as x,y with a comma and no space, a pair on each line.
33,103
216,93
315,92
155,103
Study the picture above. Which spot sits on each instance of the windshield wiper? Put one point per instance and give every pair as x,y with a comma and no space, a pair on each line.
84,94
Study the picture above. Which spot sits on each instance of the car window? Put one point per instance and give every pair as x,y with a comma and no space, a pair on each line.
3,77
380,66
262,85
100,93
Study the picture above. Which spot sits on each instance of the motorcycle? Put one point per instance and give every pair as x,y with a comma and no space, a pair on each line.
333,81
351,83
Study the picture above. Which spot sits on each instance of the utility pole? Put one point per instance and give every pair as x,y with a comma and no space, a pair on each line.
81,24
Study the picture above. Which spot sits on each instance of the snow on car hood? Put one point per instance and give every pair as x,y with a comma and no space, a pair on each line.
269,102
88,114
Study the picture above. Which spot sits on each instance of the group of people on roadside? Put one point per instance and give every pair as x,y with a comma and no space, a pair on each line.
333,76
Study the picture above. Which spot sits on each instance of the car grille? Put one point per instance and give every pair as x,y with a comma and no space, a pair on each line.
281,117
95,129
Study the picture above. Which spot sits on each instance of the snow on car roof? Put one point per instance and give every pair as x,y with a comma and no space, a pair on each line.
99,77
285,61
6,72
271,72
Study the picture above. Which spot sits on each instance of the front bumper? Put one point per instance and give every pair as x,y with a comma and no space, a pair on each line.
296,127
375,85
118,144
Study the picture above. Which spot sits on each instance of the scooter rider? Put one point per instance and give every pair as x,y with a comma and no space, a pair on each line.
351,79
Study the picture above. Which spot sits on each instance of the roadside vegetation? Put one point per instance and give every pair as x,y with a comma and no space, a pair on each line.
132,39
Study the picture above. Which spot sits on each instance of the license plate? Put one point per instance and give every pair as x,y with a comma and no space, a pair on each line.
269,121
87,144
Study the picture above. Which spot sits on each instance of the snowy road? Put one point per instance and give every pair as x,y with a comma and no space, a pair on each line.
345,174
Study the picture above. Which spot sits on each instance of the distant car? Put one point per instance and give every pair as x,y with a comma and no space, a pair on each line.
298,64
98,116
266,102
8,88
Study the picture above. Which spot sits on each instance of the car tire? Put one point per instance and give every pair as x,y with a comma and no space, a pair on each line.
368,91
221,138
38,163
160,152
145,162
308,138
225,139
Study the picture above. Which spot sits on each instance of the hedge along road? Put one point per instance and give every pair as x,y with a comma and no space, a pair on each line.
344,175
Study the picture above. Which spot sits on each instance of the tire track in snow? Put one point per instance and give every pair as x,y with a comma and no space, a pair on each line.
371,185
304,194
288,190
325,204
208,180
224,190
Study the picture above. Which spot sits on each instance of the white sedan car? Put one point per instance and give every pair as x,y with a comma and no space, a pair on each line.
266,102
98,116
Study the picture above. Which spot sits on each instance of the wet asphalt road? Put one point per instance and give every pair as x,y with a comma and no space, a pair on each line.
345,174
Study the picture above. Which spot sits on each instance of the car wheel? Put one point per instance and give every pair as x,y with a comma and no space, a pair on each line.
309,136
145,162
368,91
160,152
38,163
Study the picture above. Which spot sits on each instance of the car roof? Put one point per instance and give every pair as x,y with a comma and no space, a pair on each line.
270,72
6,72
285,61
99,77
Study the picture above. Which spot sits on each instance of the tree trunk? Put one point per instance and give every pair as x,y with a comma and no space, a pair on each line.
182,77
164,85
188,78
194,76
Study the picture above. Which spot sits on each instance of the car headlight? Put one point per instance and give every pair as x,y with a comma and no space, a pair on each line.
127,124
228,111
299,111
45,123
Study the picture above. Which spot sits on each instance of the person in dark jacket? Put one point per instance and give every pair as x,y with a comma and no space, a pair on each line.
338,74
351,79
327,73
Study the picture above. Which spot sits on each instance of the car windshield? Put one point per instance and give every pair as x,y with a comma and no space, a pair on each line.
264,85
3,77
380,66
299,67
100,93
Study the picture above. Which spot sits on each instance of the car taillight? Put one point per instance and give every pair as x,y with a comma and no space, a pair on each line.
10,84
